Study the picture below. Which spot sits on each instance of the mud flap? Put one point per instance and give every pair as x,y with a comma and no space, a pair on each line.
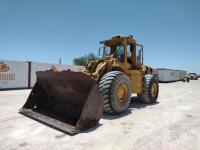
68,101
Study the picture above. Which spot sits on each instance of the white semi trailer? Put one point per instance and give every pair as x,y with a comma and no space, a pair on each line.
170,75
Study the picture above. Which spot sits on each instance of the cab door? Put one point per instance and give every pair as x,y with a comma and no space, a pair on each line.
134,73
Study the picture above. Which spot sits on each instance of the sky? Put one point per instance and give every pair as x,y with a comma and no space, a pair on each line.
46,30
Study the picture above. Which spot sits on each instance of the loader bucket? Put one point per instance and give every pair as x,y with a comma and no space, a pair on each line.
68,101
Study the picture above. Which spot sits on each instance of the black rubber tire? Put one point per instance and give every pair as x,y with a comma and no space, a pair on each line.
146,96
108,88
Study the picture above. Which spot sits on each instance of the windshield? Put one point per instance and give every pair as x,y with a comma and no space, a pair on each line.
104,51
194,74
120,52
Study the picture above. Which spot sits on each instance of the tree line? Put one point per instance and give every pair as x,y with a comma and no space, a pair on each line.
84,60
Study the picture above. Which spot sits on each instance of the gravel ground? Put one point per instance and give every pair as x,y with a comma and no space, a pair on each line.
172,123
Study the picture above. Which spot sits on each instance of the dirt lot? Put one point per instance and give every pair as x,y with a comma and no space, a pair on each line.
173,123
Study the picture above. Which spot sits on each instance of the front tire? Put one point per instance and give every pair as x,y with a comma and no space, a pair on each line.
115,88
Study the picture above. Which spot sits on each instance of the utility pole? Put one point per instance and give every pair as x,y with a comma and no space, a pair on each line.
60,61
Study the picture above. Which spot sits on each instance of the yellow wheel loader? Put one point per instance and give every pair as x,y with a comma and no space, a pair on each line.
74,101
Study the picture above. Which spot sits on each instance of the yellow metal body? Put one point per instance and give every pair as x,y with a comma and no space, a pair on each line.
128,65
136,80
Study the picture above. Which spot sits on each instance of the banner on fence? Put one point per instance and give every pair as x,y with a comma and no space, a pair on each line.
13,74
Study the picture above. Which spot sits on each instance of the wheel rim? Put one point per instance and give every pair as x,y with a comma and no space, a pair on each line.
154,90
122,91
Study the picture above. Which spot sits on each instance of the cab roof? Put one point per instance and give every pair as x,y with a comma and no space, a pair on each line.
117,40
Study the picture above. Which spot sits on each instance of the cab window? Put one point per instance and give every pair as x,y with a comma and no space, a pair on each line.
129,54
120,52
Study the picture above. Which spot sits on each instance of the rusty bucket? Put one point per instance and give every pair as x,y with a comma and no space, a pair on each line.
68,101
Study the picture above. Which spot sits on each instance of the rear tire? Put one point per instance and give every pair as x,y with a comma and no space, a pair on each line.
115,88
150,90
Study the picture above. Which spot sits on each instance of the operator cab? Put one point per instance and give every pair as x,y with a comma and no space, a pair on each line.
124,49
